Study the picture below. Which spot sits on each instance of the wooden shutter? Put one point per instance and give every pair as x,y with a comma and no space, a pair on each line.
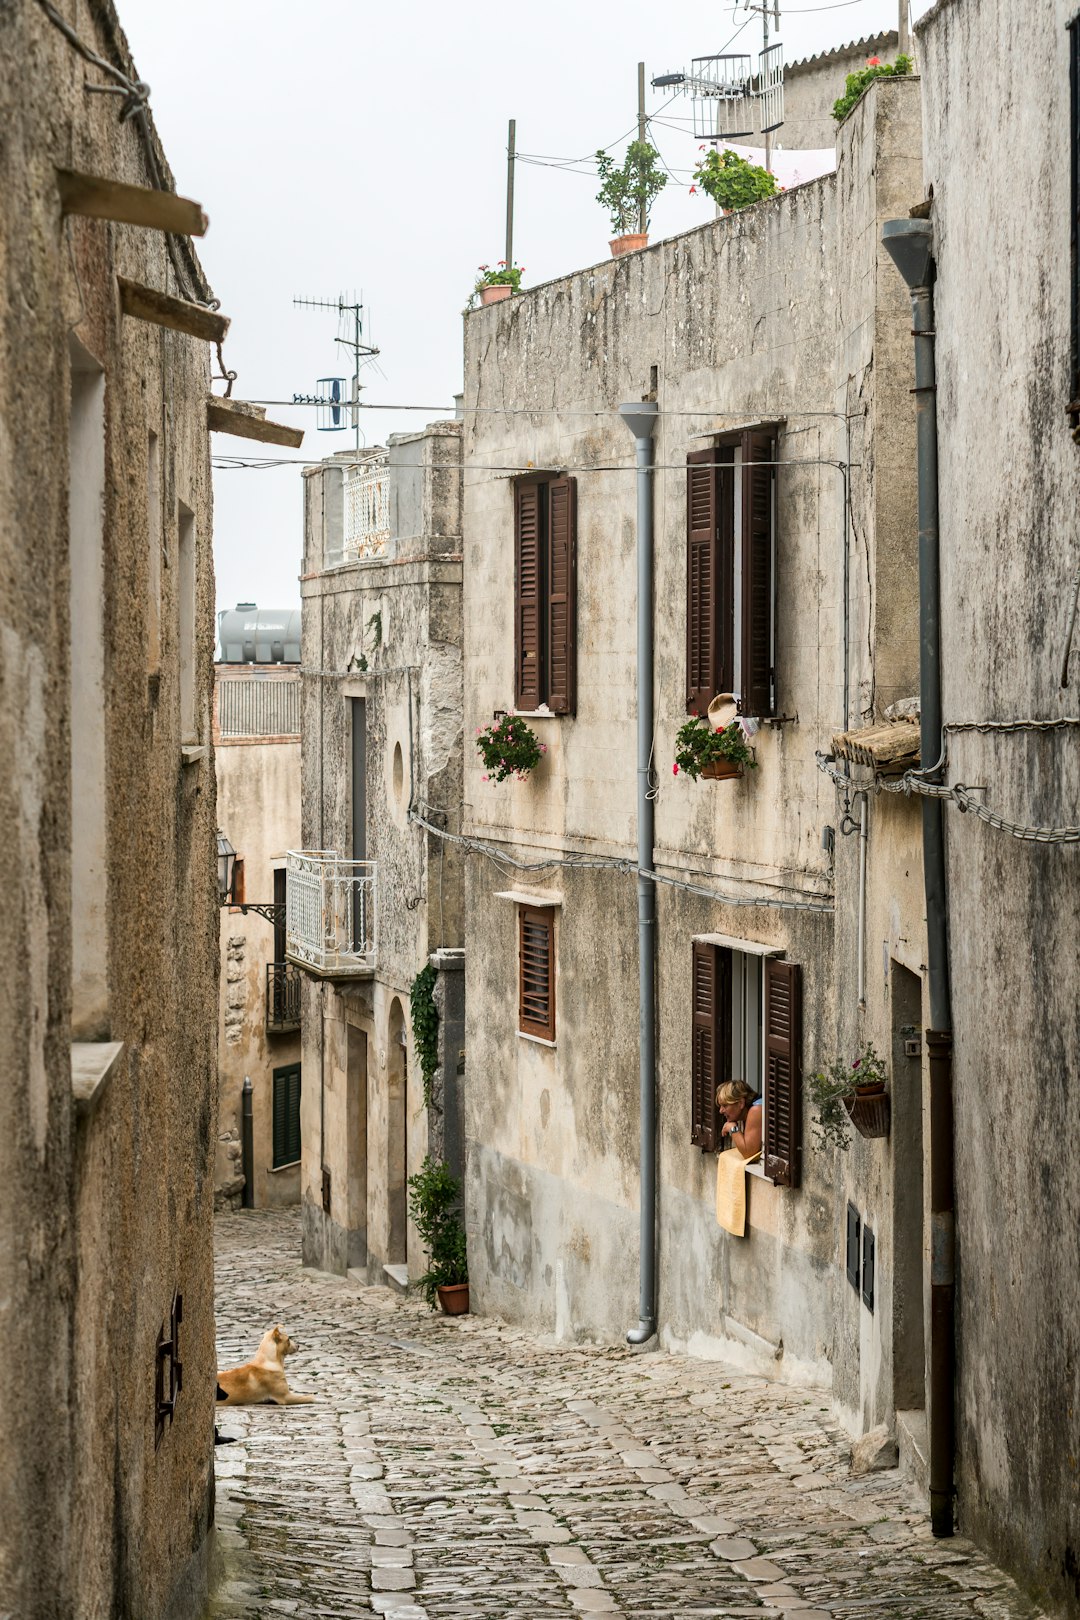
783,1071
702,579
758,488
286,1115
710,1041
561,596
536,972
527,595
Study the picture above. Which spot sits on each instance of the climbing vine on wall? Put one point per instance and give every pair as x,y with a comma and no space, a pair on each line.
425,1027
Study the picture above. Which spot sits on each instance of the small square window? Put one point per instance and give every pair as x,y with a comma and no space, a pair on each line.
536,972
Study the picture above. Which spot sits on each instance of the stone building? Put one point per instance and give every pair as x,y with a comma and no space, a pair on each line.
257,761
774,346
373,895
107,1112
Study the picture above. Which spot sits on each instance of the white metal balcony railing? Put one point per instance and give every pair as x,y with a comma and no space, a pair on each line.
330,913
367,507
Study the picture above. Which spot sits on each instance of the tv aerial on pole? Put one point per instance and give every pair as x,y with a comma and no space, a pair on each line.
333,406
724,89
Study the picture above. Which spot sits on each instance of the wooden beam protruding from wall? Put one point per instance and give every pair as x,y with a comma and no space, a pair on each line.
148,304
100,198
249,422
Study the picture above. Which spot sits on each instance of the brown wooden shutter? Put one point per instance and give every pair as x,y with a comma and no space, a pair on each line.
527,595
758,487
710,1041
702,579
536,972
783,1071
561,596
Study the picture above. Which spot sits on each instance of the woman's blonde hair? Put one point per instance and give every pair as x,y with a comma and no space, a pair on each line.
734,1091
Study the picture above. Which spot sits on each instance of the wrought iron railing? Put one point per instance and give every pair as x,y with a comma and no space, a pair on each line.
283,981
330,913
367,507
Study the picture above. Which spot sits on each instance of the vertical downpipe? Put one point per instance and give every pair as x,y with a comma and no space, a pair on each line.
247,1145
641,420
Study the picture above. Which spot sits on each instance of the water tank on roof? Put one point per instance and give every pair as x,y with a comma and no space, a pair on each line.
248,635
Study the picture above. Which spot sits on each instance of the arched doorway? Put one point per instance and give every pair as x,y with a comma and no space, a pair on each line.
396,1134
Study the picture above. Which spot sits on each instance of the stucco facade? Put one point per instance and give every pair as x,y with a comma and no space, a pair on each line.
257,761
107,1113
789,315
1008,470
382,745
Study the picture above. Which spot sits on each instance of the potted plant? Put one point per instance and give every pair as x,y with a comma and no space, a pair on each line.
715,752
509,747
733,182
493,285
856,83
434,1202
856,1092
628,192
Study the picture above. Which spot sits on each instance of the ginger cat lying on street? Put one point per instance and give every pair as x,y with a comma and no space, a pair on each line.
263,1377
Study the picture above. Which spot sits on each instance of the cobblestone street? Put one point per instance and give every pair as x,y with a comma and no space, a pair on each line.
459,1468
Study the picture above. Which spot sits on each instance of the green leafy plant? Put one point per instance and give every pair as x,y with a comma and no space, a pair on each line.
502,276
856,83
434,1204
733,182
425,1028
625,188
697,744
829,1088
509,747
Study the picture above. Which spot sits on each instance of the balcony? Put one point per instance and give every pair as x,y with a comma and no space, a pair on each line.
283,983
330,914
367,507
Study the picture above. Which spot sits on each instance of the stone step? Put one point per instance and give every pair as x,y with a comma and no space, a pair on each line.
397,1276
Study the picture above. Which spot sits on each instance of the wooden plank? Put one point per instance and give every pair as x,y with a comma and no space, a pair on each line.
148,304
100,198
237,417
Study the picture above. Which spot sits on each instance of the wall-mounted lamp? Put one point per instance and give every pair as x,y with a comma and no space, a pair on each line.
226,868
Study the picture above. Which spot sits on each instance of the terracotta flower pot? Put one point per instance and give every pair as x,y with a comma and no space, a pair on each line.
454,1298
496,294
722,770
628,244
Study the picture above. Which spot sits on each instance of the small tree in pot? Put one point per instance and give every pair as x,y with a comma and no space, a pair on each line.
629,191
434,1203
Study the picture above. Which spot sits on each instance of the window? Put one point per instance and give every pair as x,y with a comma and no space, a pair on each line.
286,1115
746,1016
545,606
536,972
730,571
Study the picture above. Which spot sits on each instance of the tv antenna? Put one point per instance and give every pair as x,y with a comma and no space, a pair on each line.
332,404
723,88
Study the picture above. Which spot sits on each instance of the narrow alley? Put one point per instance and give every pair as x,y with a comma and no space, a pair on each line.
452,1467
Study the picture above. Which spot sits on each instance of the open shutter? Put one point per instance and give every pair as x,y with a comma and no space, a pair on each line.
561,594
536,972
758,499
292,1145
783,1071
527,596
710,993
702,579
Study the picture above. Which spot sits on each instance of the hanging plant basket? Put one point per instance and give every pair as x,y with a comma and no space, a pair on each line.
721,770
869,1111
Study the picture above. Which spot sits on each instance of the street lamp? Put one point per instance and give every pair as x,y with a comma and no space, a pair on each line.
226,865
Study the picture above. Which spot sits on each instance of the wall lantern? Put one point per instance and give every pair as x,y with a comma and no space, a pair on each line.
226,867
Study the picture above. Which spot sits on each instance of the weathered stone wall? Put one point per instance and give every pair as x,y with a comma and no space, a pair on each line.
1008,470
778,314
386,631
814,83
106,1211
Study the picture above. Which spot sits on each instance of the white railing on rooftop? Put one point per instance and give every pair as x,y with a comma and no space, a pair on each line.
330,913
367,507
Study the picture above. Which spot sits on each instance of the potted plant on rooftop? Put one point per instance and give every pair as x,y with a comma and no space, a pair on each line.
733,182
434,1202
494,285
628,192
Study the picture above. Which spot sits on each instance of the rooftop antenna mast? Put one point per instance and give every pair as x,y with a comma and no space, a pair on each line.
333,405
770,87
723,89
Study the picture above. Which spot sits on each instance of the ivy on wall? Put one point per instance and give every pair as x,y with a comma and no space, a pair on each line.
425,1027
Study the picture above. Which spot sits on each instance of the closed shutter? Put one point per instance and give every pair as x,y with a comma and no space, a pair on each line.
527,595
561,596
710,1041
292,1138
758,493
286,1115
702,579
536,973
783,1071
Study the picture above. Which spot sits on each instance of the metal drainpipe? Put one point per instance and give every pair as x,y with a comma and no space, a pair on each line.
641,420
910,243
247,1146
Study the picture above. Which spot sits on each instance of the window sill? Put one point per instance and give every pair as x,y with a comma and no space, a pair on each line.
277,1169
541,714
523,897
537,1040
758,1170
192,754
92,1065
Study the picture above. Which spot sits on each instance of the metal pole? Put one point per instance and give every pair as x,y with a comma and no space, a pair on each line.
641,420
765,29
511,149
247,1146
861,972
643,221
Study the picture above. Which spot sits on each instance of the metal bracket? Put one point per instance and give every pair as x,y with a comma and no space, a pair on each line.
273,913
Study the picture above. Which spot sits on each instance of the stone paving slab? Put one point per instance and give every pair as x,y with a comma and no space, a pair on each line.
453,1468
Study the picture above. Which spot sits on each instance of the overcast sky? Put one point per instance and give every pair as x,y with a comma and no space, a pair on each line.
355,148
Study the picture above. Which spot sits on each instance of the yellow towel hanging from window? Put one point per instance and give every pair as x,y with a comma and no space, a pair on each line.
731,1190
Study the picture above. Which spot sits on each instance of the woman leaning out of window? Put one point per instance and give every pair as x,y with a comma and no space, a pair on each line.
741,1108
